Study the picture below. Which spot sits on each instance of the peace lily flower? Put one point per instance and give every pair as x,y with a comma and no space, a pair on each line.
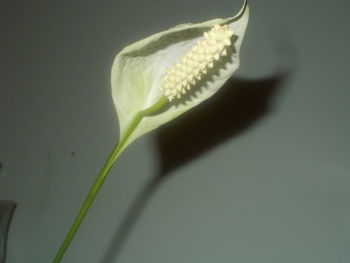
139,69
162,76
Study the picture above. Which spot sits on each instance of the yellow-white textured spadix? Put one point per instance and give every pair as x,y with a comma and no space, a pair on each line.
192,66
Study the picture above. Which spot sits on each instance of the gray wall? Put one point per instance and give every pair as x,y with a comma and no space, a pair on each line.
271,185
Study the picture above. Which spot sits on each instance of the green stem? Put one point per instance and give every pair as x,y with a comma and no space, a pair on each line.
103,174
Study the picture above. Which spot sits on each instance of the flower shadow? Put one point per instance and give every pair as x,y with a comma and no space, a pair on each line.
233,110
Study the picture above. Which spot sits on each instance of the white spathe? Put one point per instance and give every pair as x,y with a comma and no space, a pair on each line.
138,71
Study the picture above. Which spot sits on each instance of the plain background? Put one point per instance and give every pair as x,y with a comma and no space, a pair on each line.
270,183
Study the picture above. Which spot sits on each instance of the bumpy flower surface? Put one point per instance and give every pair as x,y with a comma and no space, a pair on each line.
200,57
195,63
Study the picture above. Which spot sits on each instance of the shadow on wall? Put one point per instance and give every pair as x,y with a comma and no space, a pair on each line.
227,115
233,110
7,209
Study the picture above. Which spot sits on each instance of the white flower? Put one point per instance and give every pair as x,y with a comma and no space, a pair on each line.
186,64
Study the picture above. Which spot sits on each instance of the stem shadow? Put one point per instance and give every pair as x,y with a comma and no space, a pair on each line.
7,209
